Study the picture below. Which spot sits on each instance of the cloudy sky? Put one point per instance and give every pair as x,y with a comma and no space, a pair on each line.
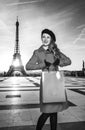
66,18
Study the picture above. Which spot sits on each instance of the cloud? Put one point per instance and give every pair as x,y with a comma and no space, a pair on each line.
22,3
2,25
81,26
81,38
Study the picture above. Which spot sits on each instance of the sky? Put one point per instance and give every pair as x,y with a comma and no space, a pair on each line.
66,18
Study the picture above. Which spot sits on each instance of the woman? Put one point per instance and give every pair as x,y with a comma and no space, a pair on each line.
48,57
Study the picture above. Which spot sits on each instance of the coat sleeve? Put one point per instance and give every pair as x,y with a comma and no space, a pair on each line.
33,63
64,60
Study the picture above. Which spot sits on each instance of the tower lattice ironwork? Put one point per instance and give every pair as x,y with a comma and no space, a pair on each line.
16,68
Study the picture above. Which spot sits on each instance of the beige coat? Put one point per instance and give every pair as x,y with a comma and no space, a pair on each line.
37,62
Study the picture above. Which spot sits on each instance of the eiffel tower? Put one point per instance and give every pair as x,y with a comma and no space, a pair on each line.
17,68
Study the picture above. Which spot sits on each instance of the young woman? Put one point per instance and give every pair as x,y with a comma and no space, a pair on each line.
48,57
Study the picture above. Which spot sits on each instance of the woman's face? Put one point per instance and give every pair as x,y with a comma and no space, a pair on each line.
46,39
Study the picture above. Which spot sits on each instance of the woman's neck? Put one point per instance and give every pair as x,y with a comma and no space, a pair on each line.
45,47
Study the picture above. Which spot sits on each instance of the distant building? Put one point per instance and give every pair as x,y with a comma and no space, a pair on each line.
83,67
16,68
76,73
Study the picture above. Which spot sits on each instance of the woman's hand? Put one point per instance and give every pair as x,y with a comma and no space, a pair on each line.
57,61
47,64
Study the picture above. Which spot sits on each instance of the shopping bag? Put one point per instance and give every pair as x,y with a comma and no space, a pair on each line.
52,87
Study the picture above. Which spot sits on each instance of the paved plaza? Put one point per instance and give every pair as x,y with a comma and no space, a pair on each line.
19,104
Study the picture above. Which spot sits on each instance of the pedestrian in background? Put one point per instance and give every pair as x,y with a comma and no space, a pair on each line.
47,58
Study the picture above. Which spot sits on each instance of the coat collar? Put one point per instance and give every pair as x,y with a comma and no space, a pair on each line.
41,49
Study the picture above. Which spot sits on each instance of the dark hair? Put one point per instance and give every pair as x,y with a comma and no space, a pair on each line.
53,48
50,33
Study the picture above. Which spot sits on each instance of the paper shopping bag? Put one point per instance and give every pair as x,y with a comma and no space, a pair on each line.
52,87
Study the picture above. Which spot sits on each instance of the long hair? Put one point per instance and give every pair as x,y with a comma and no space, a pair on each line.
53,48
